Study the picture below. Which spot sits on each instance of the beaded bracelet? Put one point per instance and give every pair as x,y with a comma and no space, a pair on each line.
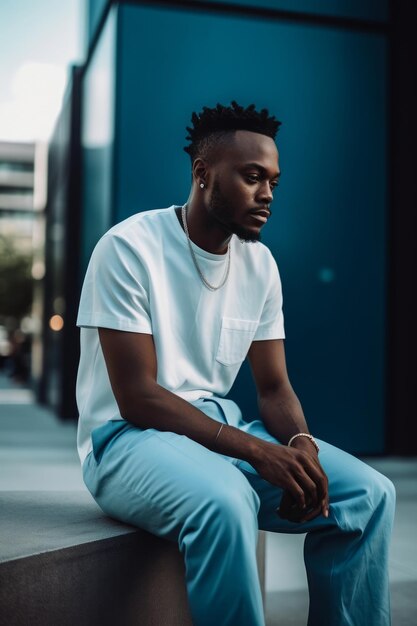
313,441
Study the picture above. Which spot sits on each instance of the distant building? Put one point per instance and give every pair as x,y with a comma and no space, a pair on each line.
23,178
22,191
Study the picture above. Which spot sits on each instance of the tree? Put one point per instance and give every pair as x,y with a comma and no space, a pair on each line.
16,282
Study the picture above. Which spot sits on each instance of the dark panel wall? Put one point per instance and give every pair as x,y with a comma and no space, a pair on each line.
402,304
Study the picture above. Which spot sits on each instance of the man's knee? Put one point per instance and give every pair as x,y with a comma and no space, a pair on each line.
386,491
362,494
380,494
378,487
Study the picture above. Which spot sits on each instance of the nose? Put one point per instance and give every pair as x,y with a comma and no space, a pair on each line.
265,193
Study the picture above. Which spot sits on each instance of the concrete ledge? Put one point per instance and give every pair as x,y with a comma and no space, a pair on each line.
33,522
63,562
126,580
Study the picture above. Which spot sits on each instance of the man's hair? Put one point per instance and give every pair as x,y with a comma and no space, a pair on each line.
213,126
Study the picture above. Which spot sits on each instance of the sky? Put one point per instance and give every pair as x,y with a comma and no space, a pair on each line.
39,40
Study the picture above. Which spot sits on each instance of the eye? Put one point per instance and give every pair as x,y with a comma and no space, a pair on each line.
273,184
253,178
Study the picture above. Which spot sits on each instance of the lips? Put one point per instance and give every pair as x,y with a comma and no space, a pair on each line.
261,216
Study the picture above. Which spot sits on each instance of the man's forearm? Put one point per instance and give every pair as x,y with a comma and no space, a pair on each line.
156,407
282,413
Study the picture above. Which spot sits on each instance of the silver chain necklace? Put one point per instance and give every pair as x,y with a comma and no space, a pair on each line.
194,258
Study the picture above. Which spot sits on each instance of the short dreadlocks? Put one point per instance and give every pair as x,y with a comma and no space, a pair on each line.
212,126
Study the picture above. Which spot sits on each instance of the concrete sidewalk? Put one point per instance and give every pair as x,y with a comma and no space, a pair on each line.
37,451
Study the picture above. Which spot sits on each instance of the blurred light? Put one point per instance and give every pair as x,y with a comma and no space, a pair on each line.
38,270
30,325
40,176
56,323
326,275
5,345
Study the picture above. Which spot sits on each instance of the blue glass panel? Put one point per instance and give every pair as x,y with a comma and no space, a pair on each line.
97,138
328,228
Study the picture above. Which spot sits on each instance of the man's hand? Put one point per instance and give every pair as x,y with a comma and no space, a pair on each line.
298,472
289,509
297,469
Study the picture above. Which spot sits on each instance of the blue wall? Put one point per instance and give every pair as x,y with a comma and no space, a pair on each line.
376,10
328,231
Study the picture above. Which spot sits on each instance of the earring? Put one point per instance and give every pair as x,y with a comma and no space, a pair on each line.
202,185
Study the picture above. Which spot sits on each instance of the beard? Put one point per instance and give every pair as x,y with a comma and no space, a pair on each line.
220,209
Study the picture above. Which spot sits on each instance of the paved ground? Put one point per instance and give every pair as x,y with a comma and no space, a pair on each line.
38,453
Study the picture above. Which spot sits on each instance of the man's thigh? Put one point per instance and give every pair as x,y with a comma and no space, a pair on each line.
155,480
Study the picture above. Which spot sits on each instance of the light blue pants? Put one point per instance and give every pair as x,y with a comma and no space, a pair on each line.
213,505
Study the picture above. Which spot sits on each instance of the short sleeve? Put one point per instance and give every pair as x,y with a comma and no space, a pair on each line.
115,290
271,324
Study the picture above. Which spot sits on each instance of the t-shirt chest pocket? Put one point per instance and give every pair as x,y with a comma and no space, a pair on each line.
235,339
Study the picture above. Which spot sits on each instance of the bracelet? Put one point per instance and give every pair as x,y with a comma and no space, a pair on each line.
218,433
313,441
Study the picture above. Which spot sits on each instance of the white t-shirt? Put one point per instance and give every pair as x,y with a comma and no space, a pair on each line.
141,278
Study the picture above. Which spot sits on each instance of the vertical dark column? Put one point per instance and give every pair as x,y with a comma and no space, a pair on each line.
71,343
402,305
62,252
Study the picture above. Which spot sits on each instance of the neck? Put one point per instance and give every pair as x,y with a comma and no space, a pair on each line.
202,231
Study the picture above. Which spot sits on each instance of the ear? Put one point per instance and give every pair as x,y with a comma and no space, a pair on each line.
200,171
